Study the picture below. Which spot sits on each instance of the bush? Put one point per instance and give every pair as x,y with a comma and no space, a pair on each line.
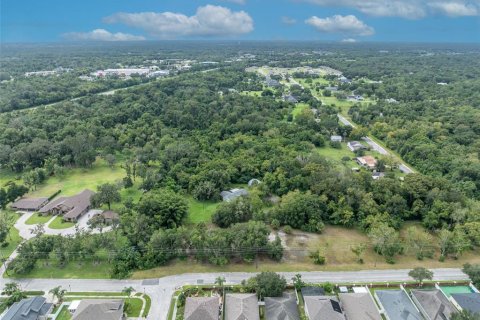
318,257
287,229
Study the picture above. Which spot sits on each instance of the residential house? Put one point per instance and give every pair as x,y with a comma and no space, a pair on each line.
272,83
312,291
333,89
202,308
336,138
397,305
433,304
354,98
355,146
344,79
96,309
109,217
29,204
233,194
35,308
467,301
368,162
378,175
359,306
290,98
72,208
282,308
241,306
323,308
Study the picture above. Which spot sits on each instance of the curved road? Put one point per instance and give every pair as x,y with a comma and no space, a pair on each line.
161,290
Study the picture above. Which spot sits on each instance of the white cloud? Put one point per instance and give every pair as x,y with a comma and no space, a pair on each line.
410,9
455,9
347,25
208,21
101,35
288,20
349,40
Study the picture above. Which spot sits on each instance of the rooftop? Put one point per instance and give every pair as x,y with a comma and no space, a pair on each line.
202,308
239,306
468,301
96,309
282,308
28,309
398,305
434,303
359,306
323,308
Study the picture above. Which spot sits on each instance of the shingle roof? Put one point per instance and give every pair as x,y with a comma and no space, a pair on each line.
434,303
29,203
397,305
96,309
359,306
202,308
240,306
28,309
74,205
323,308
313,291
468,301
282,308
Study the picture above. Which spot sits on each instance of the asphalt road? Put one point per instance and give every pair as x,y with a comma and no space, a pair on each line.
161,290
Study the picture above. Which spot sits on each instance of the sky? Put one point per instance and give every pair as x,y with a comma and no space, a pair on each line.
324,20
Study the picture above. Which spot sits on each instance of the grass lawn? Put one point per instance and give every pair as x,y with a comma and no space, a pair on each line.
6,175
200,211
58,223
252,93
72,270
336,155
64,314
13,238
299,107
78,179
36,219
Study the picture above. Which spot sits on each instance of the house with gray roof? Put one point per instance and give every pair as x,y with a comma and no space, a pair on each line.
34,308
72,208
323,308
336,138
312,291
229,195
359,306
355,146
96,309
433,304
241,306
397,305
29,204
467,301
282,308
202,308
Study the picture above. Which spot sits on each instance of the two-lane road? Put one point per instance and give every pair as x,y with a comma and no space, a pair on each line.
161,290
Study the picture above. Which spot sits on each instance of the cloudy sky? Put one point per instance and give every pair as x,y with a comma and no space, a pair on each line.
330,20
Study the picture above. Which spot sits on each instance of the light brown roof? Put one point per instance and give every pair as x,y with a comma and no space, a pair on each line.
108,214
74,205
368,161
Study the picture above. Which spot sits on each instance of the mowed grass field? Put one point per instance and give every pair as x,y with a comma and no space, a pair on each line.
299,107
58,223
36,219
200,211
78,179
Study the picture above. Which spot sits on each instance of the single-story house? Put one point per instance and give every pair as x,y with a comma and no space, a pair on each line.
467,301
336,138
72,208
397,305
333,89
378,175
368,162
272,83
29,204
290,98
344,79
233,194
96,309
354,98
109,216
433,304
282,308
359,306
312,291
323,308
35,308
355,146
241,306
202,308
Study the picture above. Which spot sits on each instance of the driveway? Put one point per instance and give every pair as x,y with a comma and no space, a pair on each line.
25,230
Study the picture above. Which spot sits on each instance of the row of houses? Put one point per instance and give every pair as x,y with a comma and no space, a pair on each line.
390,304
71,208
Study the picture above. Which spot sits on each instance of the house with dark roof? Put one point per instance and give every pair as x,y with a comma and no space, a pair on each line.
359,306
29,204
241,306
467,301
323,308
202,308
34,308
433,304
96,309
229,195
355,146
312,291
71,208
282,308
397,305
290,98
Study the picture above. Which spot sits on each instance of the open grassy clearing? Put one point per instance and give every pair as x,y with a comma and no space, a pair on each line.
252,93
315,81
6,175
78,179
200,211
58,223
336,155
299,107
36,219
64,314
